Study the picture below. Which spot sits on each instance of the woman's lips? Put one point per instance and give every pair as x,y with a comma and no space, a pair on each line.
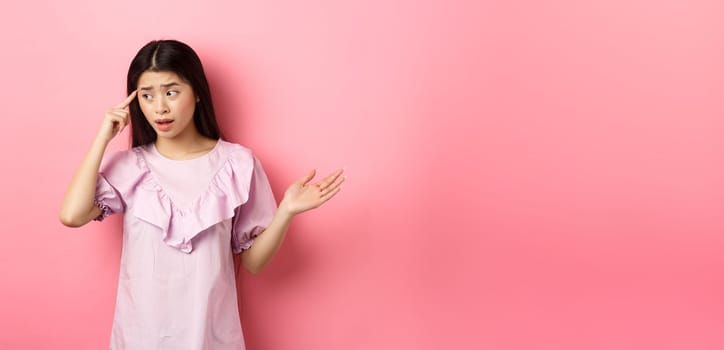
164,124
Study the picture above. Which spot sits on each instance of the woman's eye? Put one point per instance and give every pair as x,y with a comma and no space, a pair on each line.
171,93
147,96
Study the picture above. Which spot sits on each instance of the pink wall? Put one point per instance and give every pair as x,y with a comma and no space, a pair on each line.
520,175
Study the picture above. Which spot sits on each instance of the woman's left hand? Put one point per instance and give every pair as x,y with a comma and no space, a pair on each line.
302,196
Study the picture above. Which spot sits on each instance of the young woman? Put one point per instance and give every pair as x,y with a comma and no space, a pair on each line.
193,203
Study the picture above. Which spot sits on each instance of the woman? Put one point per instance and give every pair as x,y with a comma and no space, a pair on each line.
193,203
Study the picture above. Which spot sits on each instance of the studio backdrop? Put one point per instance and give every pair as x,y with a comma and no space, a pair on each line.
520,174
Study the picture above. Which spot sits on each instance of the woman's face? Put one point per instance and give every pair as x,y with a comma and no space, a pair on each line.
168,103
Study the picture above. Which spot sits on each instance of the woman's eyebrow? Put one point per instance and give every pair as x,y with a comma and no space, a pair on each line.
173,83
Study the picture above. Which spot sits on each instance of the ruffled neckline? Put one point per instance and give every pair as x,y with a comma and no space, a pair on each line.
227,190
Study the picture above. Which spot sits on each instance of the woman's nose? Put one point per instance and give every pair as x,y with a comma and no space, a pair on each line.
161,106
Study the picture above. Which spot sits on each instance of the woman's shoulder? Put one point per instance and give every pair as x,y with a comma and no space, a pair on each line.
121,156
231,146
236,151
240,159
127,161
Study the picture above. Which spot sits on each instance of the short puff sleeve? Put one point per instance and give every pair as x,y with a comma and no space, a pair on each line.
117,177
252,217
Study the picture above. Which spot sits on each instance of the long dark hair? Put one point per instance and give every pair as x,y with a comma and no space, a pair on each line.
171,56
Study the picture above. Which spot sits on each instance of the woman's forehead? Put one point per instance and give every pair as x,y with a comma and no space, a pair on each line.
155,79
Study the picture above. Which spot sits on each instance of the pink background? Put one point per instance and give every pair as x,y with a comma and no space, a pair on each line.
520,175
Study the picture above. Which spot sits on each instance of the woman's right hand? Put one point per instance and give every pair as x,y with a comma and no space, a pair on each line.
116,119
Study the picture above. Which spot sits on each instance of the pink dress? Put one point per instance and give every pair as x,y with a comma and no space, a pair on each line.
183,219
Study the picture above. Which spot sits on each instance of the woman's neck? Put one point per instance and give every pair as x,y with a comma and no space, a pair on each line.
187,146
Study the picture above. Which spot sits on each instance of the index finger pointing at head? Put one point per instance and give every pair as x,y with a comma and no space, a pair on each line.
128,100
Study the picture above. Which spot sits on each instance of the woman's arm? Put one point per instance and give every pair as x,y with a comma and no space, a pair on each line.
267,243
298,198
78,207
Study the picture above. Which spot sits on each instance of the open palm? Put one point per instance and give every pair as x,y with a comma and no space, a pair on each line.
303,195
